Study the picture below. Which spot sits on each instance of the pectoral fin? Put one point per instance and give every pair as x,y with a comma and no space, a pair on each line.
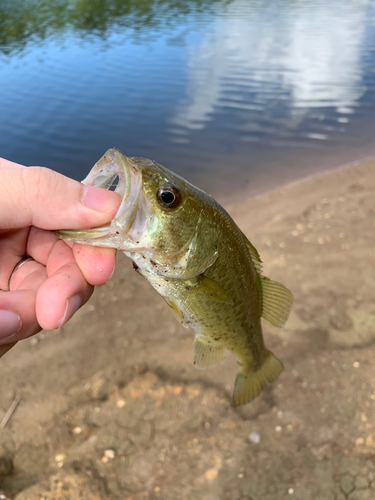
210,288
206,354
177,312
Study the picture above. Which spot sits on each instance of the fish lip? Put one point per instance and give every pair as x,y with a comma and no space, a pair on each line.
77,235
112,163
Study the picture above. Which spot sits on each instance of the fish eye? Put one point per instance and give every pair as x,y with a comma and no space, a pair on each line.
169,196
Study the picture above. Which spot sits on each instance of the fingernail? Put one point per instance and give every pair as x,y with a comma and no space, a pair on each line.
10,324
72,306
100,199
112,273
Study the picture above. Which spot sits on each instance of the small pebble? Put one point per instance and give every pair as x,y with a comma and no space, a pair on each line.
278,428
369,441
356,364
210,474
77,430
120,403
254,437
110,454
291,491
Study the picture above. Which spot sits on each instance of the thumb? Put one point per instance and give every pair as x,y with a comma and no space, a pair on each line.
37,196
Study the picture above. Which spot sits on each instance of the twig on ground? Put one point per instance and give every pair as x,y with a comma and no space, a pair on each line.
10,412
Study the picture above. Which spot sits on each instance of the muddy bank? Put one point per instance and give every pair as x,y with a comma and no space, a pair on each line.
112,407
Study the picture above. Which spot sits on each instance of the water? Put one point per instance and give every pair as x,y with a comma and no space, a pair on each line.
230,94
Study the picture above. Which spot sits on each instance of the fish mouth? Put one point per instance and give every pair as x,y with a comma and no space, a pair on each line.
114,172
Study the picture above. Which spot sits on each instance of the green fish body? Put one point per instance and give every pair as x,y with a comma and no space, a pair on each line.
195,256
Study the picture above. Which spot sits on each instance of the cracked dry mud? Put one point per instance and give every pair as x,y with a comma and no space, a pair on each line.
113,408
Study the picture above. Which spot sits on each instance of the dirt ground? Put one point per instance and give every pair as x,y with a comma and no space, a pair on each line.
112,408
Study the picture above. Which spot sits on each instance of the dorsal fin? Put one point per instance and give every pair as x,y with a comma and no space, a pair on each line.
255,257
277,300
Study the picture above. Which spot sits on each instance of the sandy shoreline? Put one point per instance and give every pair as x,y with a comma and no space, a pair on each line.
261,188
112,407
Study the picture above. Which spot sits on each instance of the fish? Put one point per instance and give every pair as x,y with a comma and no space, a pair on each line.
195,256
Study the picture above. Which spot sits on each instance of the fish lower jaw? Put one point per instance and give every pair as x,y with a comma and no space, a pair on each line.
87,234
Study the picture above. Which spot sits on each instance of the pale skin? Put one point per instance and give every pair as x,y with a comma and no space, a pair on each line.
59,277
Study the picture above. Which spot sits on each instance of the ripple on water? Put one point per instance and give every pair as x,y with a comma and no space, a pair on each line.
196,85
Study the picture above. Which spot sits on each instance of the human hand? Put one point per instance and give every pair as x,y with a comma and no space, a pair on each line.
44,280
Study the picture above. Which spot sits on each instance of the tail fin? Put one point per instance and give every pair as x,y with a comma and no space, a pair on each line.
249,383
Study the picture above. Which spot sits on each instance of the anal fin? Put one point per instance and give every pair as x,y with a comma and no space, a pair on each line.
206,354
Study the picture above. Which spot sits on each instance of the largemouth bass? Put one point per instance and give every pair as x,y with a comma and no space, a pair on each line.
194,255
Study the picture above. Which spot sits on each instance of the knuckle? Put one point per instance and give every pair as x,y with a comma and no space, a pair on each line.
38,182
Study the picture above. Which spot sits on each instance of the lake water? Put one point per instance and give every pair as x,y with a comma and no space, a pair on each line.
232,95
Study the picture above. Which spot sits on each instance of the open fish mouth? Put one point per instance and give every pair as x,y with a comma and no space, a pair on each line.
117,173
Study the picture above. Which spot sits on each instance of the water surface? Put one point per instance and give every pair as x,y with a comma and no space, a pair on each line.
233,95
